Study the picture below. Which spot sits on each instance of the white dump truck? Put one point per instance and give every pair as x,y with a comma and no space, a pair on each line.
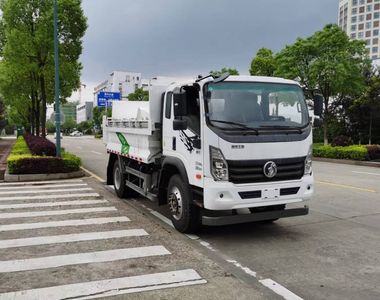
216,151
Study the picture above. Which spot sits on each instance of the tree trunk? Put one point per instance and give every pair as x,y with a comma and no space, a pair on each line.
32,116
325,120
43,105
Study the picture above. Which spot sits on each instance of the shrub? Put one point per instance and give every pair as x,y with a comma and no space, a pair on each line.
29,164
40,146
342,141
22,161
98,135
354,152
374,152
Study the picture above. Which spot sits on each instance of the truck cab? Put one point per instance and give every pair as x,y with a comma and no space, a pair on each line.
234,149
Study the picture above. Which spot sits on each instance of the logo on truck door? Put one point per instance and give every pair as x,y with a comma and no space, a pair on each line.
124,144
270,169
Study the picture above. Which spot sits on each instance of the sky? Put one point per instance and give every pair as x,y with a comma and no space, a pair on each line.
190,37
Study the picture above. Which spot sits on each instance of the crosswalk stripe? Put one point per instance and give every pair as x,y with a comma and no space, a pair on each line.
110,287
46,197
69,238
39,182
44,191
80,258
51,204
31,214
76,222
38,187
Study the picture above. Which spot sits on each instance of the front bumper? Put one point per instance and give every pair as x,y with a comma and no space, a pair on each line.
228,196
255,217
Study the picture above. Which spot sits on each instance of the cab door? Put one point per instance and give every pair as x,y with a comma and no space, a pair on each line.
182,131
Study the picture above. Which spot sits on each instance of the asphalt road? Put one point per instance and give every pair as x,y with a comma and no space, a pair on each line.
333,253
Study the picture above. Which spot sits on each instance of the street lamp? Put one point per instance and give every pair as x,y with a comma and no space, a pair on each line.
56,85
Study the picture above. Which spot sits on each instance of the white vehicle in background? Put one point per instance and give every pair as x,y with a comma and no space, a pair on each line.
216,151
76,133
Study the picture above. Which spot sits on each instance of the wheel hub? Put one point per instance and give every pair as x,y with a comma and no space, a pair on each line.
175,203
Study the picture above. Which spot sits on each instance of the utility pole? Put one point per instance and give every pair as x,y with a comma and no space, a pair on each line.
56,62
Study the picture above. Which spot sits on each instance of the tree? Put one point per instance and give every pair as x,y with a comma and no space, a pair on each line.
69,125
3,122
264,63
26,45
230,71
139,95
328,61
364,112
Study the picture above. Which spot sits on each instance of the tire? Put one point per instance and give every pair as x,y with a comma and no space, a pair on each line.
122,191
265,209
184,214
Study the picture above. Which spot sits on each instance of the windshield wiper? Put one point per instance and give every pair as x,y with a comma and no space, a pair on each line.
237,124
299,129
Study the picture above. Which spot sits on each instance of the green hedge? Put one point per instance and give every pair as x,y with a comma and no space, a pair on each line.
354,152
21,161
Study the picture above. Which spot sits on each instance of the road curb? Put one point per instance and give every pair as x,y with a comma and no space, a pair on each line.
348,162
42,177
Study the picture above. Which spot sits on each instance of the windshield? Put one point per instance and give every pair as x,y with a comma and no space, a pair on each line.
263,106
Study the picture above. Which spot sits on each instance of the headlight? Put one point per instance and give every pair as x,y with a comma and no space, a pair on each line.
219,167
309,161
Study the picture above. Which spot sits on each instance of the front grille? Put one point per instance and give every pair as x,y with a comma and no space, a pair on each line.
289,191
250,171
250,195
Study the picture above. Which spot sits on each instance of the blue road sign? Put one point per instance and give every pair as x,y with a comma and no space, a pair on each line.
107,98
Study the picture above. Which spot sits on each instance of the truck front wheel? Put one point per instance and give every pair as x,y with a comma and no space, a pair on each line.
184,214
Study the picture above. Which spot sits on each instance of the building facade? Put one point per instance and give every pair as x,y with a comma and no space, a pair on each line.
122,82
360,19
84,112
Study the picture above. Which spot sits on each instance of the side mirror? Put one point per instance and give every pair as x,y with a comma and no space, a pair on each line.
318,105
180,107
179,124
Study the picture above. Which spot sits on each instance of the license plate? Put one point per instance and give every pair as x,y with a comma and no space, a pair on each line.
270,193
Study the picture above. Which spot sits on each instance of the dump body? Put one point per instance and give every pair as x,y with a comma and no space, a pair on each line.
133,131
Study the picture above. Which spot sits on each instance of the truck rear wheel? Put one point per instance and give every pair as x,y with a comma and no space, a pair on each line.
184,214
122,191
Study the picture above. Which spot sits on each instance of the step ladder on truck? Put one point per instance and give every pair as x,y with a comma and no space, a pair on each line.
216,151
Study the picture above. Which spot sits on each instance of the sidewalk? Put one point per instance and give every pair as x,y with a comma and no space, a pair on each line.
5,148
74,239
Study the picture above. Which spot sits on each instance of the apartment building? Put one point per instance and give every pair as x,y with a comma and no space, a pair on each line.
360,19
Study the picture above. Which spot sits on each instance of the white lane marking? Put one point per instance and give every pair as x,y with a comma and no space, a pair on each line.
40,182
279,289
44,191
367,173
69,238
207,245
49,197
245,269
75,222
98,153
80,258
110,287
51,204
37,187
31,214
